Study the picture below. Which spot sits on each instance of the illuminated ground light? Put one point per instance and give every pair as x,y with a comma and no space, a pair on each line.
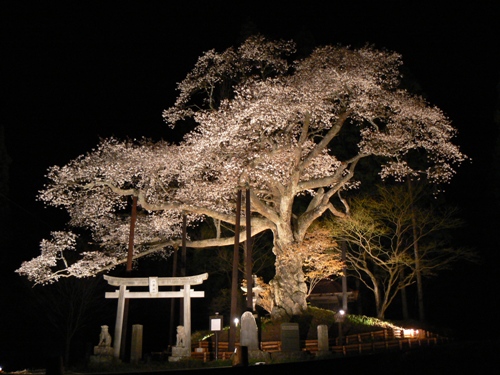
410,332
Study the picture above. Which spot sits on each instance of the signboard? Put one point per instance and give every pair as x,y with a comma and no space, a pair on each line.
153,285
216,322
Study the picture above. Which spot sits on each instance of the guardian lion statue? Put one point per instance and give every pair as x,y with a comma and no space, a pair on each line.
181,336
104,337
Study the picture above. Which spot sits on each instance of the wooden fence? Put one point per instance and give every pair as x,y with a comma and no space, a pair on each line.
363,343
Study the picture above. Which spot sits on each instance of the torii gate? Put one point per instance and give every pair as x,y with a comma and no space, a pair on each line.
154,283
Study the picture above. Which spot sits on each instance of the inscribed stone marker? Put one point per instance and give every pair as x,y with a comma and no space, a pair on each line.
290,339
136,350
249,331
323,338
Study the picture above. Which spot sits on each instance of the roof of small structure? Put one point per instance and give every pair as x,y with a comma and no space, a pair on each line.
328,289
327,286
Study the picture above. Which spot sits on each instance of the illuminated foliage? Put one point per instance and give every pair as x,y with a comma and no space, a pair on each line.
320,255
262,293
263,121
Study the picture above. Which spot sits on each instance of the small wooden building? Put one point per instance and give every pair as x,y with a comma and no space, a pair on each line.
327,294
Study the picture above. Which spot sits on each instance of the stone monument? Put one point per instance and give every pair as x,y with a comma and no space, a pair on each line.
249,334
136,346
249,339
290,339
323,348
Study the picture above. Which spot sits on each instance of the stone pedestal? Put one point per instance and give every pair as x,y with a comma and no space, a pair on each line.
102,354
98,359
103,351
178,353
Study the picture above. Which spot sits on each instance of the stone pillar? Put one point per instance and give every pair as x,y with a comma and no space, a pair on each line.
136,349
323,347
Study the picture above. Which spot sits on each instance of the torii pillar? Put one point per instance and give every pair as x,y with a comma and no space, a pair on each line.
154,283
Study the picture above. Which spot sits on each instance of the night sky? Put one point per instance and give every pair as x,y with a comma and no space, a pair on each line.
74,73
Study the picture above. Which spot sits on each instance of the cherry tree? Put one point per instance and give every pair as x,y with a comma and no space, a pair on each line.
288,130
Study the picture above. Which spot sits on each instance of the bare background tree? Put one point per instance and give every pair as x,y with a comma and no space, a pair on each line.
72,306
381,233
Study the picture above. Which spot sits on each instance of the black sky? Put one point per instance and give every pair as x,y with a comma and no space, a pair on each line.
76,71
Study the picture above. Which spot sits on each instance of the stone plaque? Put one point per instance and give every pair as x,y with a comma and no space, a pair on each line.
290,339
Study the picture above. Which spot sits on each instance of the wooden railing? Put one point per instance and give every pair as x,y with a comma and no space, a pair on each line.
362,343
205,351
384,340
384,335
395,344
270,346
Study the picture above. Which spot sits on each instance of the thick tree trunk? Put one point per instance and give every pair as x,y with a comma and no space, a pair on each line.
379,304
288,287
